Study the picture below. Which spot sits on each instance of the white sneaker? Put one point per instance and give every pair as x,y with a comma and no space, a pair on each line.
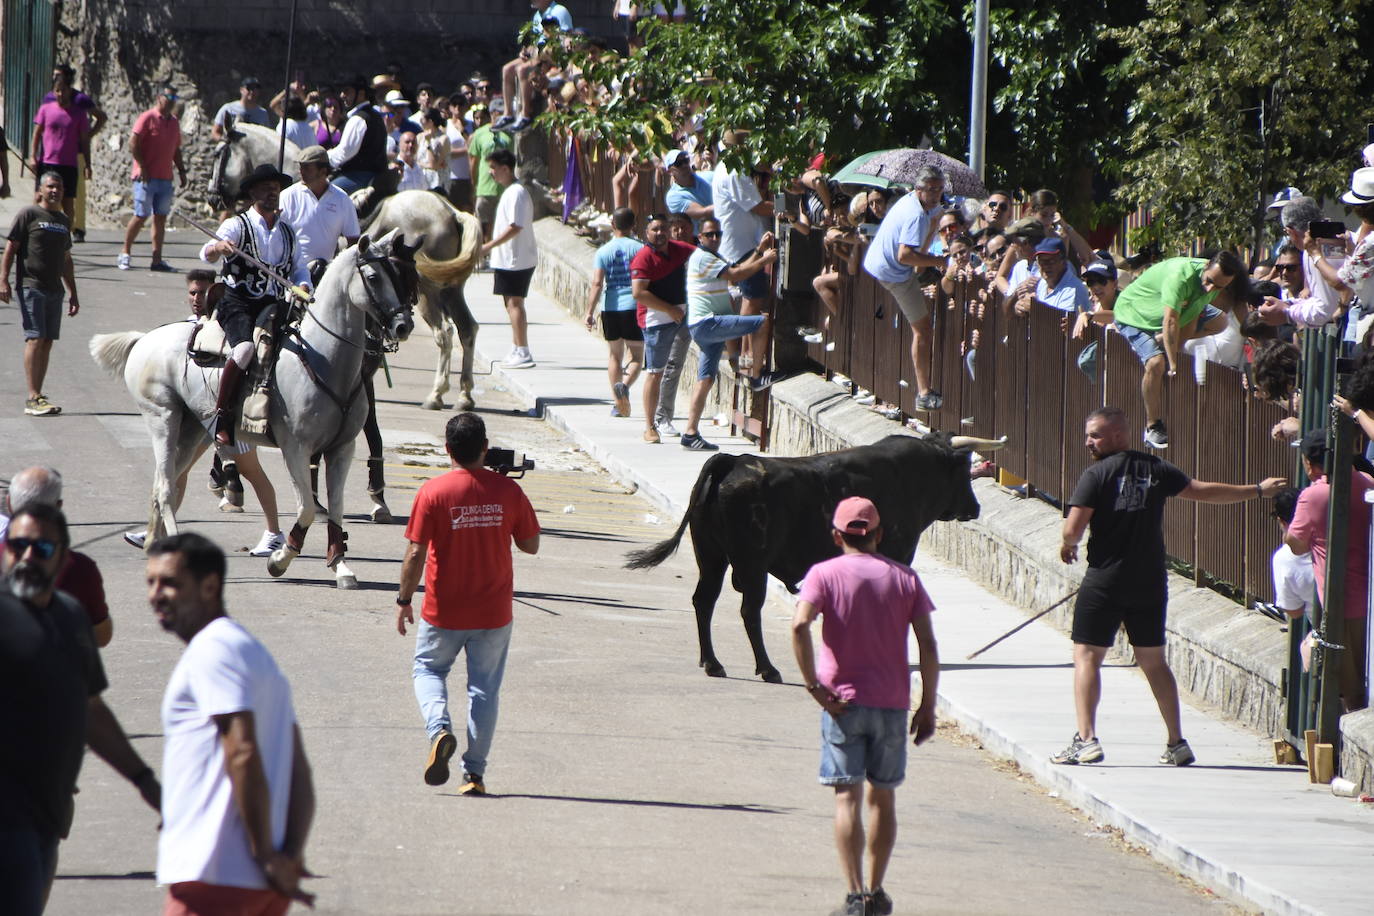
136,538
122,262
666,428
519,358
270,542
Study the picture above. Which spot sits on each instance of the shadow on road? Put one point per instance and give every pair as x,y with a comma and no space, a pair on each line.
644,803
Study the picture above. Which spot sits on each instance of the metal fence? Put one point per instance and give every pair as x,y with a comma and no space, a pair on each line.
30,29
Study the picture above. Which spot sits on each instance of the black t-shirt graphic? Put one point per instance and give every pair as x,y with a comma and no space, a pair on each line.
1127,492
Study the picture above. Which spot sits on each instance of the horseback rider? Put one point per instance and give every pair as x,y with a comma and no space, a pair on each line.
261,233
361,153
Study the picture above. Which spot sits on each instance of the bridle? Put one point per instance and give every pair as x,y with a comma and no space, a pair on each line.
402,275
222,153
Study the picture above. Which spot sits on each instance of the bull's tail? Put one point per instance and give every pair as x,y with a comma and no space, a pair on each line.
711,475
111,351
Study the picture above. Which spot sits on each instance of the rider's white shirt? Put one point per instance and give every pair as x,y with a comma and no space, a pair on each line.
351,140
271,245
319,222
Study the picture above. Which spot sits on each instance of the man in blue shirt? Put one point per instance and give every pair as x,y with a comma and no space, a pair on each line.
516,74
1057,286
690,191
898,251
611,286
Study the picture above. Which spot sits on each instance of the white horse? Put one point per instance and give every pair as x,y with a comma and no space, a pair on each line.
452,248
316,404
244,148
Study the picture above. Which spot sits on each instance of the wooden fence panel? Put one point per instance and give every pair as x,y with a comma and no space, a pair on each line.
1181,419
1264,457
1221,456
1045,399
1011,403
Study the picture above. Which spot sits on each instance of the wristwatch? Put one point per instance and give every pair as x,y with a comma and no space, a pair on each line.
402,602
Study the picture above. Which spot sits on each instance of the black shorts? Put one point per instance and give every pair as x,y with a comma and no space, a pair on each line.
69,178
621,325
237,315
512,282
1101,610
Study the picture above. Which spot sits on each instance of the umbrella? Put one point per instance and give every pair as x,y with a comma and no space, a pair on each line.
850,174
899,166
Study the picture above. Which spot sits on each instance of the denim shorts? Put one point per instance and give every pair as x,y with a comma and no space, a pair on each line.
152,196
41,313
755,286
864,743
1143,341
658,343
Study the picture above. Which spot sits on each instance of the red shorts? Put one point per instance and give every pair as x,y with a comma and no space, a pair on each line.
196,898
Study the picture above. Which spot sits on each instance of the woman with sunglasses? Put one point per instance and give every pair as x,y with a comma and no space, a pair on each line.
329,126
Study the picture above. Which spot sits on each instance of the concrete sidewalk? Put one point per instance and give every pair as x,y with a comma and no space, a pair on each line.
1252,832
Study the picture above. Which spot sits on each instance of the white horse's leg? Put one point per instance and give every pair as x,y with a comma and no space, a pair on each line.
466,325
298,466
443,339
164,430
336,468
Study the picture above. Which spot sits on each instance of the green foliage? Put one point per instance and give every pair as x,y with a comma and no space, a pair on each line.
1235,100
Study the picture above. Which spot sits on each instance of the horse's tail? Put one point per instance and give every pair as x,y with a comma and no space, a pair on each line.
111,351
712,473
457,269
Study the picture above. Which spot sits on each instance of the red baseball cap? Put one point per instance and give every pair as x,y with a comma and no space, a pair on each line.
855,515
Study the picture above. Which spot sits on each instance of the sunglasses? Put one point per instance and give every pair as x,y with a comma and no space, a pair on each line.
43,547
1287,266
998,205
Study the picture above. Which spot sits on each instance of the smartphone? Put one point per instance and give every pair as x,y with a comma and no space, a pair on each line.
1326,228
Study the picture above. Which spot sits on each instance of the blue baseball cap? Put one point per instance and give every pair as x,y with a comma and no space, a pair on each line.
1052,245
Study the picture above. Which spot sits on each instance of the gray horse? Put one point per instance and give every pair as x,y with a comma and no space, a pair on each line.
243,149
453,245
316,403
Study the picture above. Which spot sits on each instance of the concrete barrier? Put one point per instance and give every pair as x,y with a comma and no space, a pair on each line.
1222,655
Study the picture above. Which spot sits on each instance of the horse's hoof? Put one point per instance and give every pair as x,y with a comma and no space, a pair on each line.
714,669
432,404
467,403
228,505
347,582
381,515
275,571
771,676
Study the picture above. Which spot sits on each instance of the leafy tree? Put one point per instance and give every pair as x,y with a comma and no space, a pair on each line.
800,75
1235,101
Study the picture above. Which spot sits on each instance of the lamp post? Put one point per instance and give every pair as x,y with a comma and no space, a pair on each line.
978,102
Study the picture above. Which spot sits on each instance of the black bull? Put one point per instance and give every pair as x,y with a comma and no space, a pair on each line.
763,516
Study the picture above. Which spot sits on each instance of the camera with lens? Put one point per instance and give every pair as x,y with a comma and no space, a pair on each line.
508,462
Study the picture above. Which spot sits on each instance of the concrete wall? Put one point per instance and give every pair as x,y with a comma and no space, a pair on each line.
1224,657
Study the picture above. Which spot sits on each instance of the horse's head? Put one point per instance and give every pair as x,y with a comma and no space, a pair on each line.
230,166
386,270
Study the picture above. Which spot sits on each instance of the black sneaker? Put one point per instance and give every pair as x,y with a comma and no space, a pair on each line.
1156,436
472,785
78,235
162,267
762,382
698,444
440,750
879,903
855,904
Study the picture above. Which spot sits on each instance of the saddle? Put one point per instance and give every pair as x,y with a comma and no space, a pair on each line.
209,349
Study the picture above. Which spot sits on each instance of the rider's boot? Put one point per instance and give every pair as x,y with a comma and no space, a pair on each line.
229,381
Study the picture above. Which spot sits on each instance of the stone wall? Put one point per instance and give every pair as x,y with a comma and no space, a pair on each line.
124,52
1225,658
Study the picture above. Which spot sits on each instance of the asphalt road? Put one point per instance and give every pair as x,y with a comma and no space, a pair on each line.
623,780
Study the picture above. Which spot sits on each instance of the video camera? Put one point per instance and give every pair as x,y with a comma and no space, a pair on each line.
506,462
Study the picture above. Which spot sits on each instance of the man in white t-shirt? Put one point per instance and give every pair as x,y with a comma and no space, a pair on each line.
1295,581
237,797
744,217
513,252
320,213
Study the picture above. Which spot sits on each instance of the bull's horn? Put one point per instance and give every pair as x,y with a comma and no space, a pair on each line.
982,445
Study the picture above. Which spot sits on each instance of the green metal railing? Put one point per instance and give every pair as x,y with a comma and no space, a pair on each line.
30,47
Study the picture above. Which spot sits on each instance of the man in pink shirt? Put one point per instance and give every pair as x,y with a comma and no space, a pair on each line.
860,678
61,132
156,147
1308,532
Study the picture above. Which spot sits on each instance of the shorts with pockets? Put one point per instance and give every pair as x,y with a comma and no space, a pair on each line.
152,196
621,325
1101,610
865,742
911,298
41,313
514,283
658,345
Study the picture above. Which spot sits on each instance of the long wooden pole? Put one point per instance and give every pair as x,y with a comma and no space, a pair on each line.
286,95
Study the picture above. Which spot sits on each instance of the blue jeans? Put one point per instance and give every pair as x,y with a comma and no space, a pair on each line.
435,651
864,742
348,182
711,334
152,196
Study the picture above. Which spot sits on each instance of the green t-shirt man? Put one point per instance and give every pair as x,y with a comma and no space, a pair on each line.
483,143
1175,283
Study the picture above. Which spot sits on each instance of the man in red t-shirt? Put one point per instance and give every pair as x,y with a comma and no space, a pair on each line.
461,526
156,147
658,276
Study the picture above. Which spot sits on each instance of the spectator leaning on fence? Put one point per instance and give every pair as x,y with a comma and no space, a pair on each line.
1307,532
1058,287
898,251
1294,580
689,191
1167,304
744,217
1323,298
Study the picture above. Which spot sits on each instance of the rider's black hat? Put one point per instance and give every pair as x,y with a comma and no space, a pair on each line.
264,172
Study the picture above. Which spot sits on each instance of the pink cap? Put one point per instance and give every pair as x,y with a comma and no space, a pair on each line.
855,515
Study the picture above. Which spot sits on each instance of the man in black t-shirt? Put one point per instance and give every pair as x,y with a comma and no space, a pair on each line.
40,240
1122,497
50,709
